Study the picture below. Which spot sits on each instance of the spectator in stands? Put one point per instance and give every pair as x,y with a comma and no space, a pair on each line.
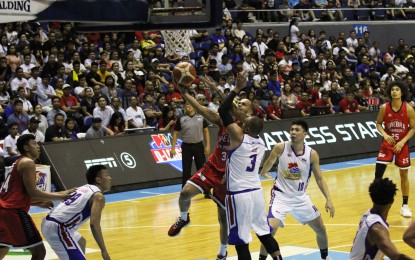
37,113
97,130
33,129
44,93
151,111
88,103
173,95
288,99
349,104
135,115
5,70
69,104
27,105
56,131
27,66
18,116
19,81
168,120
304,104
13,58
147,44
10,152
103,111
218,38
126,93
117,123
274,108
363,69
362,101
56,109
92,77
225,66
258,109
324,101
409,9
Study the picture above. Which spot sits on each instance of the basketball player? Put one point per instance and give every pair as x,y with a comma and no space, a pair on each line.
409,235
60,226
372,238
296,160
398,119
210,176
245,205
17,193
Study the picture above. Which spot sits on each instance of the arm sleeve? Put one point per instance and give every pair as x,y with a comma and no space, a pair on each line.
225,108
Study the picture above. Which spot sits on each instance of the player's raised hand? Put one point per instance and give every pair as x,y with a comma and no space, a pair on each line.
208,81
240,82
329,207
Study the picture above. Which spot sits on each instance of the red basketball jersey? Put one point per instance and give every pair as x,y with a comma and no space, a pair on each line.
396,123
218,157
13,194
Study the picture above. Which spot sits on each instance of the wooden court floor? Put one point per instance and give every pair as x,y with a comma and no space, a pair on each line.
137,229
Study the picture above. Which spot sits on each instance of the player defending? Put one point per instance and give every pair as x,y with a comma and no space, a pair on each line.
17,193
398,119
212,173
60,226
295,162
372,238
245,206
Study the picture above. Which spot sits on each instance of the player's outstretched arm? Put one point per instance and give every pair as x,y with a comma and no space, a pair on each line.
409,235
213,86
98,204
272,158
321,182
240,84
234,131
27,168
208,114
380,235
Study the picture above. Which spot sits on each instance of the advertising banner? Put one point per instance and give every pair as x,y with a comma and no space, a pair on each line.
143,160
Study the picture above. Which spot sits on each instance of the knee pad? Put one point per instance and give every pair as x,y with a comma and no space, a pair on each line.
243,252
270,244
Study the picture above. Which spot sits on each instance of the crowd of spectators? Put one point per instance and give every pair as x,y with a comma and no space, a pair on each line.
61,85
318,10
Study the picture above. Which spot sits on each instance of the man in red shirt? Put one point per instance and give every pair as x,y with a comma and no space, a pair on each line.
304,104
349,104
172,95
324,101
69,103
312,92
274,109
17,194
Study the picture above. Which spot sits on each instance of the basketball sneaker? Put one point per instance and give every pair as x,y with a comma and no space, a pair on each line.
222,257
177,227
406,211
327,258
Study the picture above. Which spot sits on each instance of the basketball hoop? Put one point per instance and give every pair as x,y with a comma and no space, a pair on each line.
177,41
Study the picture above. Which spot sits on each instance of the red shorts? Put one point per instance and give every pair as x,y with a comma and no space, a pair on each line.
402,159
209,178
17,229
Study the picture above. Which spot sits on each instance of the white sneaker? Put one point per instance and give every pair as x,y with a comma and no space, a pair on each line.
406,211
327,258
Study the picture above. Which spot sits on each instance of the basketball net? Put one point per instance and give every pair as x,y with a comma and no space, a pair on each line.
177,41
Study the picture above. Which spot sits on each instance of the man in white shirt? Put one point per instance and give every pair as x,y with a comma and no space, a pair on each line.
19,81
27,106
27,65
261,46
44,93
103,111
352,42
136,50
10,152
135,115
32,129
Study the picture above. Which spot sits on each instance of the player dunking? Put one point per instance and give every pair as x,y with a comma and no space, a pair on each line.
245,205
211,175
17,193
296,160
398,119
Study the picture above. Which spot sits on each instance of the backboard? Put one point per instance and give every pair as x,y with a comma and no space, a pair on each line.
194,14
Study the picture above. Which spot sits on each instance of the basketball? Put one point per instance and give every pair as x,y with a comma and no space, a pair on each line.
184,73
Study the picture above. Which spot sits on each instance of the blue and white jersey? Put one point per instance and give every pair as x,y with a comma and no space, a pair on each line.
243,165
293,171
74,211
361,250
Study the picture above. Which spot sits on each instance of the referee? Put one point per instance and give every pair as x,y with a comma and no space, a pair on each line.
193,128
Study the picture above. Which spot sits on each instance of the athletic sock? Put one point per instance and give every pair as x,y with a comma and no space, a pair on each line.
183,215
262,257
380,170
405,200
278,257
324,253
222,249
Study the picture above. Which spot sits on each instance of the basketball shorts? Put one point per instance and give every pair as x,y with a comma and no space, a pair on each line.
208,178
62,240
402,159
17,229
301,208
244,211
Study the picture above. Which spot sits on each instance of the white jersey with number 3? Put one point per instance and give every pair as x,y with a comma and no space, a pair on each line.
243,164
294,171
